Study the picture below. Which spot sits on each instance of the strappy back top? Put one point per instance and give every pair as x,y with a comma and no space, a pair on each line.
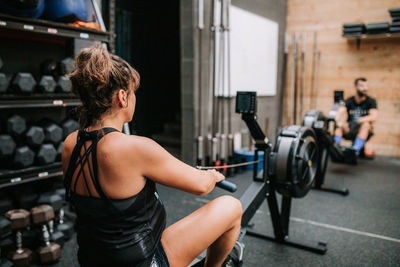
105,224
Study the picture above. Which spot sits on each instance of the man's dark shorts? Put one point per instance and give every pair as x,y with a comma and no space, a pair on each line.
354,127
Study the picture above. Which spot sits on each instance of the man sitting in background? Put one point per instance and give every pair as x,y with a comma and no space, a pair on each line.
361,111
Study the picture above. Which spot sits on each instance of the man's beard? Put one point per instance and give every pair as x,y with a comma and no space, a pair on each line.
361,94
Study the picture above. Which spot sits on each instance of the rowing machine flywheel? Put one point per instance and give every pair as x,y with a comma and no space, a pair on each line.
296,156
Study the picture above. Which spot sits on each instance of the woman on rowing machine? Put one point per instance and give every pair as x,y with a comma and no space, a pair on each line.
110,178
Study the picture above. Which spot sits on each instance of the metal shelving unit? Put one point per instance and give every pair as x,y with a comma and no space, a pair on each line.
35,173
38,101
359,38
12,177
373,36
51,28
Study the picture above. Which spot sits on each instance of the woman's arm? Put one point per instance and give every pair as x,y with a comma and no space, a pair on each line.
160,166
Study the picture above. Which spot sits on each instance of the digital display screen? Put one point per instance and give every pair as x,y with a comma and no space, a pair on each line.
246,102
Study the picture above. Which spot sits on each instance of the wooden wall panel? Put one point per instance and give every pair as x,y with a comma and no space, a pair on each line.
342,61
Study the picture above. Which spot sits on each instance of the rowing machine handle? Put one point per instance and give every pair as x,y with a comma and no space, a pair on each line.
231,187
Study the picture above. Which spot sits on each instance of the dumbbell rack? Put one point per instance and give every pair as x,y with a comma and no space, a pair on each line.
50,31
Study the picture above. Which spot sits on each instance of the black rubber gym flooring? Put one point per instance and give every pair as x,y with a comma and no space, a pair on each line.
361,229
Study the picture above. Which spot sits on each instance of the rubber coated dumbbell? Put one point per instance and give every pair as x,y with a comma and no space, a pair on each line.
23,157
49,252
16,125
34,137
20,220
59,151
67,66
24,83
69,126
52,132
64,85
5,232
4,82
56,202
47,84
7,146
46,154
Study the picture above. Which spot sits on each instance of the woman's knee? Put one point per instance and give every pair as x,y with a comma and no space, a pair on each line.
231,205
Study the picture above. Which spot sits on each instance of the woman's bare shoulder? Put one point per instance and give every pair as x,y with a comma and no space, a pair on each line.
127,144
70,141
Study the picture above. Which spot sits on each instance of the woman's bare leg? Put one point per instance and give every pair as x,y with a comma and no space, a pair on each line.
214,227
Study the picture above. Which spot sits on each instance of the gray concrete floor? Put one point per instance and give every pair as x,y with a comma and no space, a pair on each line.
361,229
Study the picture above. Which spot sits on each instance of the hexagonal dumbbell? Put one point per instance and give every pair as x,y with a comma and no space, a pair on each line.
20,219
34,136
67,65
49,252
59,151
52,132
23,157
4,82
64,85
7,146
69,126
16,125
24,83
56,202
46,154
47,84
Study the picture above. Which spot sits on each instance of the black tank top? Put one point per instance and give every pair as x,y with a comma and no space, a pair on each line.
111,232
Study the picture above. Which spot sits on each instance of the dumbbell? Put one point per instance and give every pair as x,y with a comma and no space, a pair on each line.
67,65
64,85
47,84
7,146
20,220
56,202
4,82
52,132
24,83
49,252
59,151
5,232
23,157
46,154
15,125
34,136
69,126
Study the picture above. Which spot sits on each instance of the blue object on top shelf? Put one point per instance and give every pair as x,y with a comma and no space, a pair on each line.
244,155
66,10
26,8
